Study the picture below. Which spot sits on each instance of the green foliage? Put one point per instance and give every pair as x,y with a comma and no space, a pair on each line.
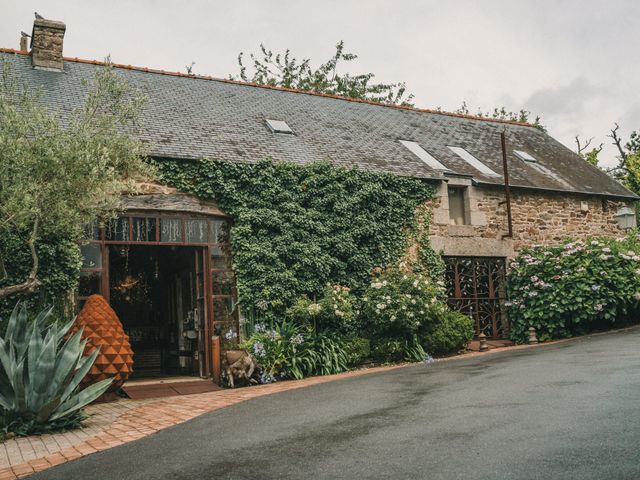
285,350
55,176
334,310
452,332
40,374
501,113
398,306
573,288
60,262
297,228
282,70
331,356
358,349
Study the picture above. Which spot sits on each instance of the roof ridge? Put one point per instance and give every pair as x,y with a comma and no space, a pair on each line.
283,89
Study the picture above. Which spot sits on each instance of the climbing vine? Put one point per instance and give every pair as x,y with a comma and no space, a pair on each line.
296,227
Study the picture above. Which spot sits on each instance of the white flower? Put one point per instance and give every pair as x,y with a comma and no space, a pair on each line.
393,318
339,313
384,283
381,306
376,285
637,296
314,309
413,301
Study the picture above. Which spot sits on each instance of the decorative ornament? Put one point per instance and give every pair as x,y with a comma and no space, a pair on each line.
103,330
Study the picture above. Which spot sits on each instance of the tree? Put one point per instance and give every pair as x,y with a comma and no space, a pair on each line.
628,168
590,156
284,70
501,113
57,176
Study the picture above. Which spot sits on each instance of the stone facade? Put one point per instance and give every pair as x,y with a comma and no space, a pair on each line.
46,44
537,217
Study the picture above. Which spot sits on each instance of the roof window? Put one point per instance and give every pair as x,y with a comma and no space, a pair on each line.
278,126
423,155
473,161
522,155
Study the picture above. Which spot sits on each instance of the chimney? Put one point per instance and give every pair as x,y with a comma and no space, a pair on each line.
46,44
23,43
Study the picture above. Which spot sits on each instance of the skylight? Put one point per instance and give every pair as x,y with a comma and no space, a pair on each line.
522,155
278,126
423,155
473,161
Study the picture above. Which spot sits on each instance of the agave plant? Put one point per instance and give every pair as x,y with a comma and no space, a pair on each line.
40,372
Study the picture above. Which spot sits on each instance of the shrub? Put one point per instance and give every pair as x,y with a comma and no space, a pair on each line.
40,375
573,288
397,306
334,310
453,331
283,350
331,356
358,350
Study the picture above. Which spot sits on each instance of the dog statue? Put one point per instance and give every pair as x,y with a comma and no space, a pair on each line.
239,365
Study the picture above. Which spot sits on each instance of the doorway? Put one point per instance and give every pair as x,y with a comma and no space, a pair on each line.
158,294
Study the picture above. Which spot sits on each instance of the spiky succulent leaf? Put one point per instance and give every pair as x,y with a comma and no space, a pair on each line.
82,398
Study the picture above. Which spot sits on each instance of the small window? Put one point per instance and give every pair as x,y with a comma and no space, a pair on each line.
423,155
473,161
457,207
278,126
522,155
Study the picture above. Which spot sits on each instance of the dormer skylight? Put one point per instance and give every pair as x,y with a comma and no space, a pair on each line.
423,155
473,161
522,155
278,126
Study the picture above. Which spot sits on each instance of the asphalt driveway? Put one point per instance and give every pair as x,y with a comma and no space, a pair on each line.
565,411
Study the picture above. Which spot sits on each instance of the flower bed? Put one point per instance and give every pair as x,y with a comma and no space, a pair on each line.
574,288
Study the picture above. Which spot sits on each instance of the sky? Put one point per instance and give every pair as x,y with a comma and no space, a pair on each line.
573,62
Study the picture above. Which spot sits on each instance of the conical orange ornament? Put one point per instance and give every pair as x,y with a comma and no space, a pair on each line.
103,329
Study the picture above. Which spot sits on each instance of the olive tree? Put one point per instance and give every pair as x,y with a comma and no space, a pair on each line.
60,172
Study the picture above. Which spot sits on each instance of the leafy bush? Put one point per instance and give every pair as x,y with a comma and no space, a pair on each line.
453,331
40,374
285,350
573,288
397,307
334,310
331,356
358,349
282,350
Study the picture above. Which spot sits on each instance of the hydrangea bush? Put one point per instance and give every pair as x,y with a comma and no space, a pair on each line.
334,311
398,309
573,288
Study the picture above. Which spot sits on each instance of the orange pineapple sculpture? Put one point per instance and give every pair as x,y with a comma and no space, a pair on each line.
103,329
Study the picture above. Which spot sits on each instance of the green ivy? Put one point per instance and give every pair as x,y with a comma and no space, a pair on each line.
60,262
298,227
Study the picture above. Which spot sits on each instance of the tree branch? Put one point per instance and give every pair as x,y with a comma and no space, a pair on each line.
617,141
32,283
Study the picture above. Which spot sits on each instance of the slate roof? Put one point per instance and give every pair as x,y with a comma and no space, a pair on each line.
192,117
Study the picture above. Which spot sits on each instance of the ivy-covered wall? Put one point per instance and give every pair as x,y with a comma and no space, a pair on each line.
298,227
59,260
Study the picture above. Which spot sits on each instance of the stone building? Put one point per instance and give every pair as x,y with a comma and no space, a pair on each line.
553,192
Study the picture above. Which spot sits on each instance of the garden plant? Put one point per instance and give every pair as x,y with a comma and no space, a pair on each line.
40,372
576,287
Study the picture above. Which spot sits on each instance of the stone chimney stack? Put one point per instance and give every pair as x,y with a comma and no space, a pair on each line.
46,44
24,43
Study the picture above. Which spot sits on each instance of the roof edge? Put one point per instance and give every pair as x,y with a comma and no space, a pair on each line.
632,196
282,89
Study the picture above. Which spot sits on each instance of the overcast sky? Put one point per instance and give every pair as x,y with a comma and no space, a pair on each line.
573,62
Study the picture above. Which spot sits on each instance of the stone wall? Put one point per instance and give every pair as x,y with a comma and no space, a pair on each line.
538,218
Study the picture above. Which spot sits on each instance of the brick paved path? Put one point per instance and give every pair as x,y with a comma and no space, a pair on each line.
123,421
